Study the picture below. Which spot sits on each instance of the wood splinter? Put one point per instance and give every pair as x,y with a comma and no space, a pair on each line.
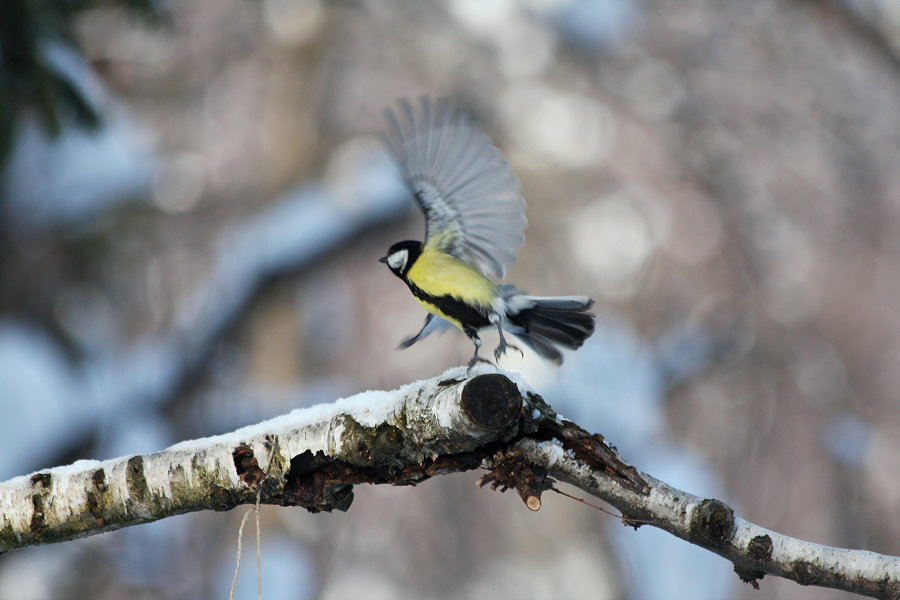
514,471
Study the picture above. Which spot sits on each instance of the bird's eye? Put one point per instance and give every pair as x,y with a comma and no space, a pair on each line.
397,260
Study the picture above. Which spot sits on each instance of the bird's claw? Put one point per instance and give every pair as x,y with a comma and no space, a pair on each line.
503,347
475,360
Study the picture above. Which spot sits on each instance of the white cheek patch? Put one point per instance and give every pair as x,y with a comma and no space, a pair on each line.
397,260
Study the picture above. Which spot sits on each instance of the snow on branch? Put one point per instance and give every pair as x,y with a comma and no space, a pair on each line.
313,457
309,457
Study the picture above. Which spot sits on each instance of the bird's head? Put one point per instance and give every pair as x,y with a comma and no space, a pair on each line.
401,257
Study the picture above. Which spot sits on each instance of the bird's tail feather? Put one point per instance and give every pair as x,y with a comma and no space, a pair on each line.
547,323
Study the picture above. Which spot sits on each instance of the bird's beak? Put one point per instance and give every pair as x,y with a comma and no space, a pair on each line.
383,259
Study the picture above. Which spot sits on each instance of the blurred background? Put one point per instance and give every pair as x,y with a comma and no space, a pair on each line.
192,203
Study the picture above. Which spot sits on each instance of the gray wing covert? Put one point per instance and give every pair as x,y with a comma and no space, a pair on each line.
468,193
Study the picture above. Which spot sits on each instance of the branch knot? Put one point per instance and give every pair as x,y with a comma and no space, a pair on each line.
712,523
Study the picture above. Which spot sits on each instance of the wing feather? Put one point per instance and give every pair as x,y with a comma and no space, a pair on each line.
468,193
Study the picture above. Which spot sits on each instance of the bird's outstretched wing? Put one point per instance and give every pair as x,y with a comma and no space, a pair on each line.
468,193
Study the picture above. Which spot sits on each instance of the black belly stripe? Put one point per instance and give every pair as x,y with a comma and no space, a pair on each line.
454,307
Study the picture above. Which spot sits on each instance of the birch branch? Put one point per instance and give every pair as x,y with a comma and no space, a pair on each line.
711,524
313,457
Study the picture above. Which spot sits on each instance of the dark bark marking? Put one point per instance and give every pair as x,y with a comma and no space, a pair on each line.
806,573
751,576
41,483
712,523
135,481
247,467
760,547
96,496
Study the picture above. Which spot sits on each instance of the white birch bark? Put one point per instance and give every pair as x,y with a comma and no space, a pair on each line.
312,458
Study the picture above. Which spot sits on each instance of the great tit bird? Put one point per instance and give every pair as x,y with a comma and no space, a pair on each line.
474,226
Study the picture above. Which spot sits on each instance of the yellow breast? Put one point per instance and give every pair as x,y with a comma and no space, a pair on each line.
439,274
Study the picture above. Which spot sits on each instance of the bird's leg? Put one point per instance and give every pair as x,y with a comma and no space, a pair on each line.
501,348
412,340
473,335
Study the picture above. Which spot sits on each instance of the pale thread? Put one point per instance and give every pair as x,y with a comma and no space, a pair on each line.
258,548
237,565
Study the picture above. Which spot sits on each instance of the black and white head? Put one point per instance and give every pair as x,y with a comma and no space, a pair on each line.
401,257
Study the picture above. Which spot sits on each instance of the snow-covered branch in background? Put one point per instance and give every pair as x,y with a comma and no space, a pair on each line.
298,229
87,403
312,458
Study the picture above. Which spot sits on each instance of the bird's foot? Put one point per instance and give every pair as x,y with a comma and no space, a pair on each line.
475,360
501,349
